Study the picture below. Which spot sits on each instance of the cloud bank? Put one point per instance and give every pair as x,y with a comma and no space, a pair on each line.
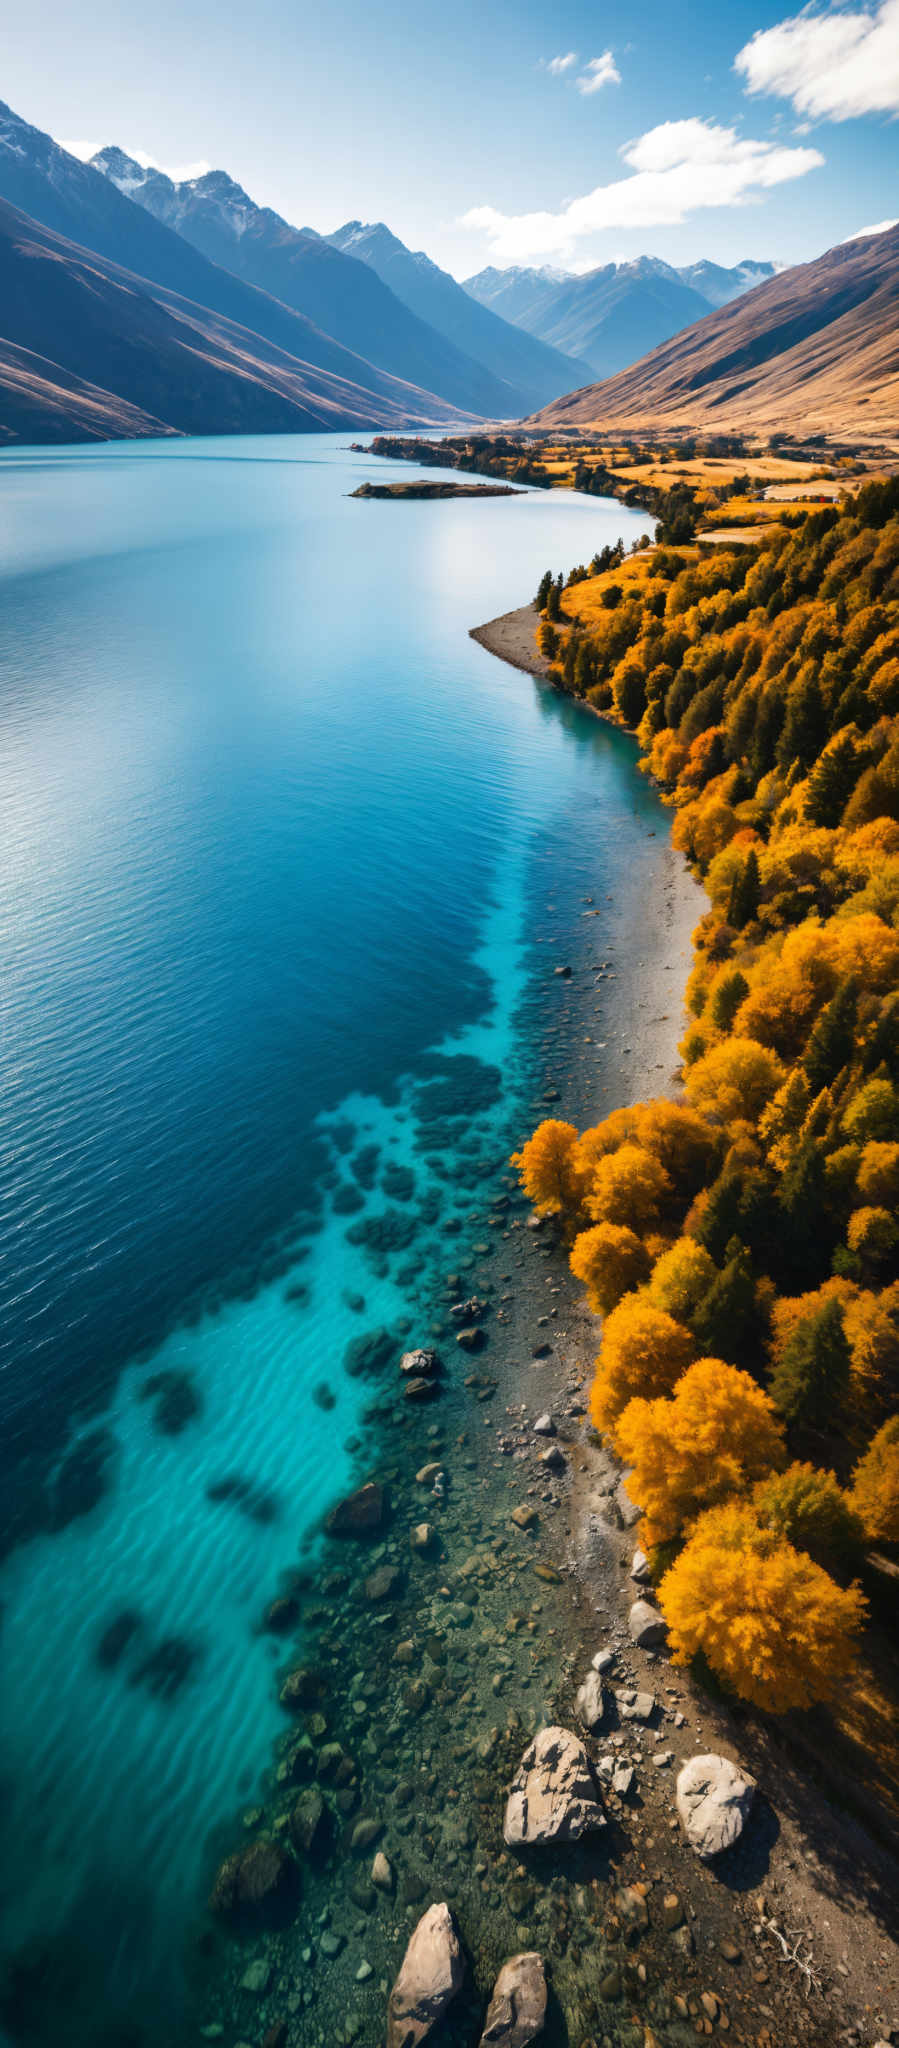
832,66
676,169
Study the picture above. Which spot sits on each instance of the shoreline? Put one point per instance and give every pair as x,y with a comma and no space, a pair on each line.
818,1868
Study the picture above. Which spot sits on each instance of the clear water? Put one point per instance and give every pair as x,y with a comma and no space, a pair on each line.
273,828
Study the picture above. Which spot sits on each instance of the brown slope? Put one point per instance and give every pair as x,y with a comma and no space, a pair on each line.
40,401
149,354
814,351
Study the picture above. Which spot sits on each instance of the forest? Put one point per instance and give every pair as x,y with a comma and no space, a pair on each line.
741,1243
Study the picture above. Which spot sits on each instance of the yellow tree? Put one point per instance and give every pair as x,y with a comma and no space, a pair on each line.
643,1353
547,1170
716,1434
611,1260
735,1079
769,1621
878,1175
875,1486
809,1507
627,1186
681,1277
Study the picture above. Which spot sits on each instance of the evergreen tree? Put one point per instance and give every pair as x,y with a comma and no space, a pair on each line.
805,729
831,783
745,893
725,1323
812,1378
832,1041
554,599
544,589
727,998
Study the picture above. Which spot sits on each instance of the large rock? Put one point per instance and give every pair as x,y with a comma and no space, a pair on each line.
627,1508
647,1626
432,1971
634,1706
553,1796
361,1513
590,1701
418,1364
257,1886
517,2010
713,1799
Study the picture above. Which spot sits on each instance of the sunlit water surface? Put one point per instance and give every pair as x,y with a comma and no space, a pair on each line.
270,825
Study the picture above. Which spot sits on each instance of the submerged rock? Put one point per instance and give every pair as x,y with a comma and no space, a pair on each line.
431,1974
471,1340
517,2010
419,1364
384,1583
258,1885
714,1797
301,1687
309,1821
281,1614
370,1354
361,1513
553,1796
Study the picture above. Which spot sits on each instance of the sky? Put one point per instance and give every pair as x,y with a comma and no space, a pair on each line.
492,131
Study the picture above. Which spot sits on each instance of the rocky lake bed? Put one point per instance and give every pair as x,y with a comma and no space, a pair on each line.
482,1584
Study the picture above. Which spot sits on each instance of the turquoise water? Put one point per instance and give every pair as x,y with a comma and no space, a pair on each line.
274,830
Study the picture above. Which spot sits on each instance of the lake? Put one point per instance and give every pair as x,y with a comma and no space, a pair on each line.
275,836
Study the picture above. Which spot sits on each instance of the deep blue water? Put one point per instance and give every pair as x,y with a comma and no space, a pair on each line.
270,825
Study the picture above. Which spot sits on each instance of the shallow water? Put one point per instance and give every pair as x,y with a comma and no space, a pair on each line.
277,834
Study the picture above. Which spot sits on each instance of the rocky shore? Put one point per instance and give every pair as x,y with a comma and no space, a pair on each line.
497,1813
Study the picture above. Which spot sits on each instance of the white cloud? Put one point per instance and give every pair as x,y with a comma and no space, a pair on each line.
676,169
880,228
599,72
80,148
559,64
177,172
832,66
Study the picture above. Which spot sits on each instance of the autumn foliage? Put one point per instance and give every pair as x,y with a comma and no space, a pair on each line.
767,1619
713,1437
743,1244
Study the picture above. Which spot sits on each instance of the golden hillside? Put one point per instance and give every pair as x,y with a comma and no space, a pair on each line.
814,351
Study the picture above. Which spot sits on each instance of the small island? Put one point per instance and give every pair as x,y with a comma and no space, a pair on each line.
423,487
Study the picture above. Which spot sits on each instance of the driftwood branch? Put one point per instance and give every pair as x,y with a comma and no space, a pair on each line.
795,1951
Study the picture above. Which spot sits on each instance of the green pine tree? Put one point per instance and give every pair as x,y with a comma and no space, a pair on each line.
745,893
811,1380
832,782
832,1041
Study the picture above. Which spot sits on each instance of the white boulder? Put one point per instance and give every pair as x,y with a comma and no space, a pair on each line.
553,1796
713,1799
517,2010
432,1971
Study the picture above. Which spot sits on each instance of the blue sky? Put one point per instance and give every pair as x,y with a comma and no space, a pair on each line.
494,132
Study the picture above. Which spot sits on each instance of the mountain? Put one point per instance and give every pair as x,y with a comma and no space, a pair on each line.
523,361
815,350
718,286
344,297
612,315
79,203
90,351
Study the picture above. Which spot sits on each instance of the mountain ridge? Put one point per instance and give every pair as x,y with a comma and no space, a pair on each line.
815,347
615,313
345,296
91,347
